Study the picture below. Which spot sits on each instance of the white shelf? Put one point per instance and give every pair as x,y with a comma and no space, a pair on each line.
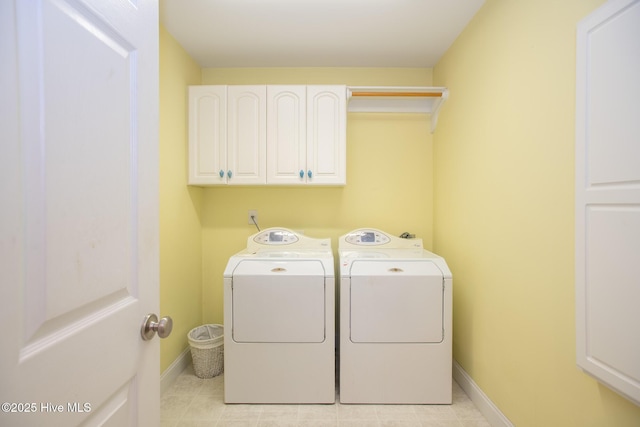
397,99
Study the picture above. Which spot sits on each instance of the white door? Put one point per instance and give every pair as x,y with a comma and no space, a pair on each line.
247,134
286,134
79,221
608,196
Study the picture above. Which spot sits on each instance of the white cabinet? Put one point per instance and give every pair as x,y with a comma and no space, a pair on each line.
286,134
276,134
227,141
207,135
326,135
306,135
246,138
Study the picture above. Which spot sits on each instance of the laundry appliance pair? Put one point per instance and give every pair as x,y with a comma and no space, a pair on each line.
279,314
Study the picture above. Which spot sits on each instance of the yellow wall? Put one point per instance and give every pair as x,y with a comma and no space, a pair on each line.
504,218
389,178
180,206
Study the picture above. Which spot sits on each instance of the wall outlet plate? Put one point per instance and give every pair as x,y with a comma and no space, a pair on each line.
252,213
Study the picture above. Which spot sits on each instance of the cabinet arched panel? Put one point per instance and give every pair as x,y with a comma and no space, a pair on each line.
207,135
247,141
286,134
326,134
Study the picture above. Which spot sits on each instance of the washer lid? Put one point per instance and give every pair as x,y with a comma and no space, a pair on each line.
394,268
290,267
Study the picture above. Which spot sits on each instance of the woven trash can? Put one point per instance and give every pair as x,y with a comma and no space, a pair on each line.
206,343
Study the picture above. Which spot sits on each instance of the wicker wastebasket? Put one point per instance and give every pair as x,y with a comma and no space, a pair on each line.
206,343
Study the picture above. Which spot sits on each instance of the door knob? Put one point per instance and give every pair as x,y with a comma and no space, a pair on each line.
151,325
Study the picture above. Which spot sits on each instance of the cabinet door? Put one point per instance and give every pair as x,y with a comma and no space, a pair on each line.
286,135
608,196
207,135
247,141
326,135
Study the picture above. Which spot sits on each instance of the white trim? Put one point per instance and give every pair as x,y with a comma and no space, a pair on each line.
481,400
170,375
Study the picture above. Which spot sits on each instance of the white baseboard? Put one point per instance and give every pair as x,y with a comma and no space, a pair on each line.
170,375
481,400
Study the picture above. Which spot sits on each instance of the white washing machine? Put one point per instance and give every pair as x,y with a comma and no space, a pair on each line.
395,321
279,343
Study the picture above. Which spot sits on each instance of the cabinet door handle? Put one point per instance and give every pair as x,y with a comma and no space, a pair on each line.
301,173
221,173
229,173
309,173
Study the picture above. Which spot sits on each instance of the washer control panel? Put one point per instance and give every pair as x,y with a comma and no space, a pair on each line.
367,238
276,237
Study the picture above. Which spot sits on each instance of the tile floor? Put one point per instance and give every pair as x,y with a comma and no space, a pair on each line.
195,402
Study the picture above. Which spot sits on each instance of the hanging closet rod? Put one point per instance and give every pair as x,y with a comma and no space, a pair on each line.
405,94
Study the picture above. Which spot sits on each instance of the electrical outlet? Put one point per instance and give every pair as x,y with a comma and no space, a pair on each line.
253,213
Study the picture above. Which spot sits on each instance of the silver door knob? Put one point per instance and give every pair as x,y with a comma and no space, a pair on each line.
151,325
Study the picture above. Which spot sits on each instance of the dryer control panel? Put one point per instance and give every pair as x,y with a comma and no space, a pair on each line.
371,238
276,237
367,238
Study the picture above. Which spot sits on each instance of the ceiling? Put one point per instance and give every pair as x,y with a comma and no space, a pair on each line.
316,33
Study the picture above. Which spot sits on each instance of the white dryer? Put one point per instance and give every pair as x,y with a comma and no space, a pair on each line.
395,321
279,344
